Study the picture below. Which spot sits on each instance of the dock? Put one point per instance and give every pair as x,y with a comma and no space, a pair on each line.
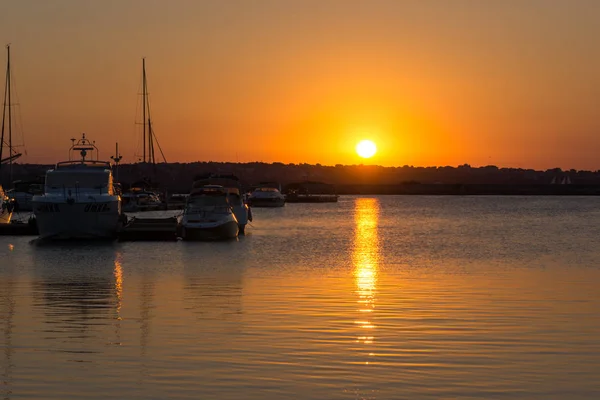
149,229
18,229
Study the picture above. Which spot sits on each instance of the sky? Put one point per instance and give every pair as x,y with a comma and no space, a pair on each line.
512,83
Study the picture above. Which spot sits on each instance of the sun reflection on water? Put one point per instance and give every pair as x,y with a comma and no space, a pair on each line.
365,257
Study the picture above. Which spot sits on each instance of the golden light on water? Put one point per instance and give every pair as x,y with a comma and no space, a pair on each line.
118,274
365,257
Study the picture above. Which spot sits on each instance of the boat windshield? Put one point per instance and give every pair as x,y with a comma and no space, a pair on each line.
208,201
95,180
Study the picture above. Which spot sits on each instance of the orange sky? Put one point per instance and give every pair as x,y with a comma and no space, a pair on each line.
510,82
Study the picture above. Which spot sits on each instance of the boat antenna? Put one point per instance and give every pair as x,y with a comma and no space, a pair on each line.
117,158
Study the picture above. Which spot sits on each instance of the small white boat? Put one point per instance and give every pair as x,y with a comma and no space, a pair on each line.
6,207
79,199
208,215
266,196
231,183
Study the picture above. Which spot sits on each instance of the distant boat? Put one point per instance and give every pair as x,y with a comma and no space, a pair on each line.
267,194
79,200
311,192
138,199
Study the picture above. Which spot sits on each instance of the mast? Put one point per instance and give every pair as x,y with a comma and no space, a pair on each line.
10,148
149,138
144,97
2,134
4,107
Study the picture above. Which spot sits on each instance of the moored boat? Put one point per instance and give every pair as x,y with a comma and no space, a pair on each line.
79,199
267,195
22,193
6,207
208,215
231,184
139,199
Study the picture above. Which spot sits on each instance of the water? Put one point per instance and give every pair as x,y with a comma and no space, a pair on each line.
369,298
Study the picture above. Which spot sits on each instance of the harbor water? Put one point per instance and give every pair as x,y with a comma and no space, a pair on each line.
389,297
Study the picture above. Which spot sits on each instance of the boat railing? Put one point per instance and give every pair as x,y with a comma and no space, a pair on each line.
87,163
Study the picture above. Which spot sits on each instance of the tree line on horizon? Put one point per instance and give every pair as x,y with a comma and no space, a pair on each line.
179,176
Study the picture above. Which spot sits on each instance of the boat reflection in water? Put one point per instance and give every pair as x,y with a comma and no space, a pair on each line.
77,296
365,258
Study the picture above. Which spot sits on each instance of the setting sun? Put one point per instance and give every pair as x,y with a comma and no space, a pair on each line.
366,149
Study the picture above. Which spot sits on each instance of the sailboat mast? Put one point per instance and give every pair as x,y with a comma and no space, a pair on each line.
10,148
144,94
7,81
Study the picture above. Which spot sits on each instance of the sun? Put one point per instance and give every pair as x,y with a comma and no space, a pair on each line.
366,148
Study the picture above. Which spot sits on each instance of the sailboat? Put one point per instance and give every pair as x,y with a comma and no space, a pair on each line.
6,203
141,197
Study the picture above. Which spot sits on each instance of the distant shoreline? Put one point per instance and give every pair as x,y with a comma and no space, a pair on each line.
470,189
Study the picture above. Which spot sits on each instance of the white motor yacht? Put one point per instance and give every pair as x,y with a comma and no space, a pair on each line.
231,183
208,215
79,199
266,196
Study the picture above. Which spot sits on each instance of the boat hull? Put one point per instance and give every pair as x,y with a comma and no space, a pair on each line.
58,219
210,232
5,216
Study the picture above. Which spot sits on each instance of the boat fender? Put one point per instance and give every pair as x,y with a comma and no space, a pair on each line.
249,214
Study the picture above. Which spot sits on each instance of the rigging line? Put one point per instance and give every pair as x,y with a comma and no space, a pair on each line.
159,148
19,115
154,134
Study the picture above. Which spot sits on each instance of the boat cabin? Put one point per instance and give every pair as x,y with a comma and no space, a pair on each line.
208,196
80,176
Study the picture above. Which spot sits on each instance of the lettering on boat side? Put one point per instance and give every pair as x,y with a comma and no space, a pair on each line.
97,207
48,208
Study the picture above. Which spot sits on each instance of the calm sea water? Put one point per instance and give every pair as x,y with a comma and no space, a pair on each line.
369,298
